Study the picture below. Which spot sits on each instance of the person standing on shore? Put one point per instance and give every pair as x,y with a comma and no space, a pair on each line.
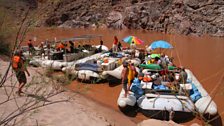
31,47
119,47
114,47
41,47
124,78
183,76
72,47
101,44
133,48
18,65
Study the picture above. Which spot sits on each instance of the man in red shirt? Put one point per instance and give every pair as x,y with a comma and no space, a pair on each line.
115,44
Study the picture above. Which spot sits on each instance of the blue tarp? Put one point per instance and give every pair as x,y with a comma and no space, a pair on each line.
160,87
87,66
136,88
194,93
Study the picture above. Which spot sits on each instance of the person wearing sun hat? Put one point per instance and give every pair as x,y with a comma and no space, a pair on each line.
183,75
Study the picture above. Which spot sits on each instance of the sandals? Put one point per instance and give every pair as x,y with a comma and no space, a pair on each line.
19,93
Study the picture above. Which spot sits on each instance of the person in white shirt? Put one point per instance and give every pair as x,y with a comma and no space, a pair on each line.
133,48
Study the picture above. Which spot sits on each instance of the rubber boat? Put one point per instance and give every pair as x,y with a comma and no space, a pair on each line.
128,103
204,105
104,48
86,69
116,73
93,71
114,76
58,64
58,60
161,103
70,68
106,62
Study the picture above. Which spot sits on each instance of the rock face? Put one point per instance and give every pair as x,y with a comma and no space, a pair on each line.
187,17
115,20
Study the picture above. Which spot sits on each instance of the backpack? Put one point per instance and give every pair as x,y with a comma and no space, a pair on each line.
15,62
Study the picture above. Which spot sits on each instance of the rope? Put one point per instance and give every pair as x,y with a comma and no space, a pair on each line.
171,114
215,89
172,43
216,74
180,102
155,101
178,56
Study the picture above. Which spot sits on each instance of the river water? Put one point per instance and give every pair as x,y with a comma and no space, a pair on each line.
204,56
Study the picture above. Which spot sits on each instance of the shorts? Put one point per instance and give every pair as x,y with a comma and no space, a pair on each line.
114,47
125,85
21,77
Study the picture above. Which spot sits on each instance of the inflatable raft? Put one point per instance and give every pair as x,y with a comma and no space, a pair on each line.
126,103
162,103
70,68
204,105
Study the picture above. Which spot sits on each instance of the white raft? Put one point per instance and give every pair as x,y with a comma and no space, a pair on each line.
87,75
123,101
205,105
104,48
70,68
117,72
153,103
50,64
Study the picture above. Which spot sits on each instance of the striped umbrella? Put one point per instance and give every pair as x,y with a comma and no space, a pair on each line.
134,39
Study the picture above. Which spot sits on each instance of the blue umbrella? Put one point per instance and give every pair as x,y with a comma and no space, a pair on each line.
161,44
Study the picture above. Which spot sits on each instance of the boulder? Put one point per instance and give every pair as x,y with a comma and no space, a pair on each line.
185,27
115,20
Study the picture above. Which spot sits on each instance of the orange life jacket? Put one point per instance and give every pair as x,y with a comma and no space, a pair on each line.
15,62
147,79
106,61
60,46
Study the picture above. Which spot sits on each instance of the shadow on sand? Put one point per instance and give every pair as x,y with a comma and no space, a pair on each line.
130,111
113,82
37,97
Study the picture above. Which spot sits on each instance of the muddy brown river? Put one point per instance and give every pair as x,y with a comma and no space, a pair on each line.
204,56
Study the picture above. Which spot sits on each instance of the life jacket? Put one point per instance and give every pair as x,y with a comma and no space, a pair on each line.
115,40
105,60
15,62
60,46
131,75
147,79
119,62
